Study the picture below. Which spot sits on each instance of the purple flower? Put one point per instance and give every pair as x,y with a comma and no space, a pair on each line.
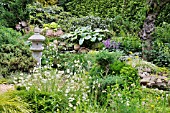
107,43
111,44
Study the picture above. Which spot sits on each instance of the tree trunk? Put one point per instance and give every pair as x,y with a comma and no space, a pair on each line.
146,32
149,25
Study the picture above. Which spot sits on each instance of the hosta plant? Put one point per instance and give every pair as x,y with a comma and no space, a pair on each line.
85,35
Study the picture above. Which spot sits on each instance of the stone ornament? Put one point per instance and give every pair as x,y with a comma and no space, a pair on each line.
37,46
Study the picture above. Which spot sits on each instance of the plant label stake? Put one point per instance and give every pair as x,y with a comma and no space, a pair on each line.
37,46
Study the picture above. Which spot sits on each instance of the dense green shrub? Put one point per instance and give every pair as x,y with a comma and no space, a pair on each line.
40,14
14,11
164,15
15,58
129,43
70,24
160,53
162,33
41,102
127,14
9,36
14,54
109,71
47,2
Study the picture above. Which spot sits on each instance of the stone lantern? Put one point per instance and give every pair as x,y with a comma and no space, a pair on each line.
37,46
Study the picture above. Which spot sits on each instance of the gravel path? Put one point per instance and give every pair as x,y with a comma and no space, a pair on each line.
5,87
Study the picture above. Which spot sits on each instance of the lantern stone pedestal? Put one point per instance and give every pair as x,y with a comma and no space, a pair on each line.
37,46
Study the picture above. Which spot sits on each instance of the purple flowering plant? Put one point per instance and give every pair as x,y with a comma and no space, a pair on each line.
111,44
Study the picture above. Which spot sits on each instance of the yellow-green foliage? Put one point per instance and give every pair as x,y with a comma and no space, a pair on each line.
9,103
47,2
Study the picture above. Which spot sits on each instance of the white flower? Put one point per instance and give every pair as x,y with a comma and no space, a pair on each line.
70,105
68,70
119,95
61,72
44,80
67,90
71,99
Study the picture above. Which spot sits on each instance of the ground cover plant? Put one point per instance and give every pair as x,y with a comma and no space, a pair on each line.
102,56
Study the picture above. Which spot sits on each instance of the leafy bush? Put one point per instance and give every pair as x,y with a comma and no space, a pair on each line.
126,14
14,11
40,14
9,36
14,55
49,2
43,101
129,43
72,23
160,53
163,16
162,33
15,58
129,75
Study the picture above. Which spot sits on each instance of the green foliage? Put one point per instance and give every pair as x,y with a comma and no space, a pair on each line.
130,76
129,43
72,23
105,58
160,53
116,67
41,102
86,36
162,33
14,11
14,55
40,14
47,2
164,15
9,36
15,58
10,103
126,14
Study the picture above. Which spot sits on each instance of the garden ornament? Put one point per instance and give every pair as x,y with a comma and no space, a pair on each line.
37,46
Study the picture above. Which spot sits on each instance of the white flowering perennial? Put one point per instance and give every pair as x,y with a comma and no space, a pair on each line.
73,87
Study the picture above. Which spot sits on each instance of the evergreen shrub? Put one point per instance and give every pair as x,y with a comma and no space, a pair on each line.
14,11
14,54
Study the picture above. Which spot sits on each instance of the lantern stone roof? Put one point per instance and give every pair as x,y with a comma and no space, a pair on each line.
37,37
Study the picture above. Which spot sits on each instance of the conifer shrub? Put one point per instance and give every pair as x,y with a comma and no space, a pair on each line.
14,54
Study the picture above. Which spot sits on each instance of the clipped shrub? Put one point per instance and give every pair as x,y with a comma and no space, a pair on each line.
14,54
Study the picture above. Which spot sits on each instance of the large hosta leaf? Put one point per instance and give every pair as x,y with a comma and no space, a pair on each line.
93,39
99,39
81,41
88,37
